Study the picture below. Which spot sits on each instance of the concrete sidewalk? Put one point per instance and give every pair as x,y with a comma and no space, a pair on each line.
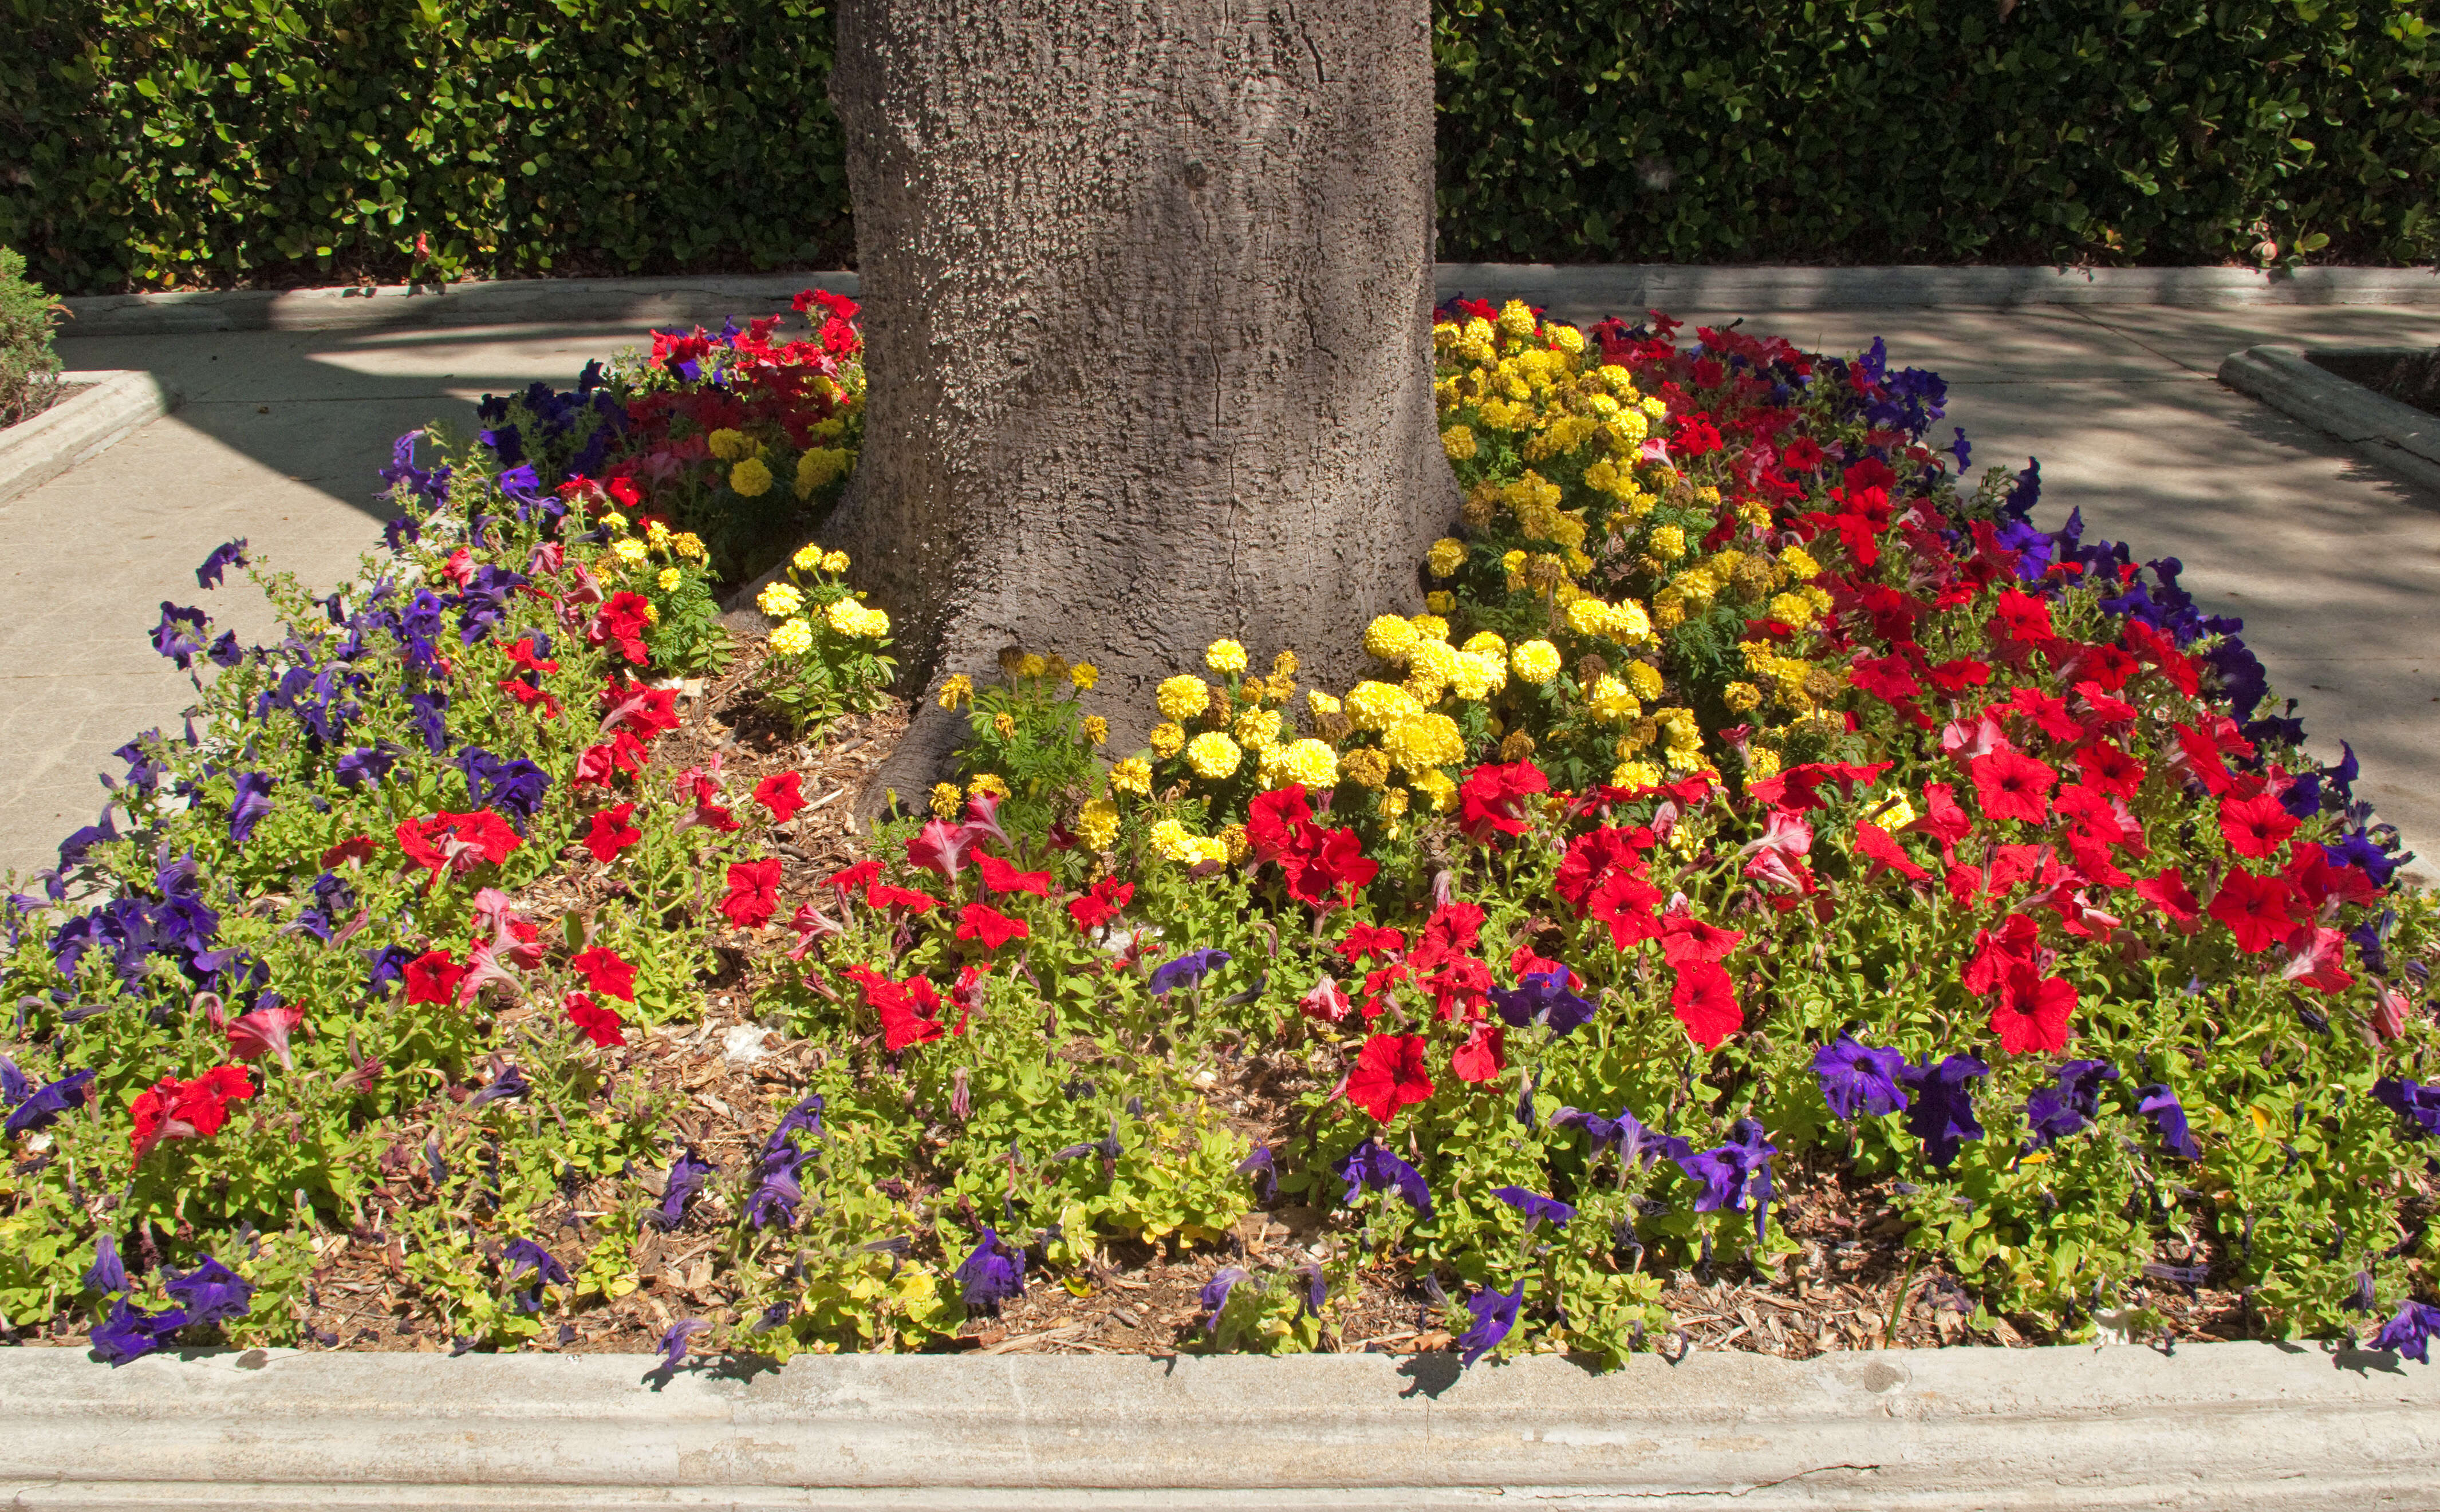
2335,568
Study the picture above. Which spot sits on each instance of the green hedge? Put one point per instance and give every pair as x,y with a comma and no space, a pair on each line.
221,141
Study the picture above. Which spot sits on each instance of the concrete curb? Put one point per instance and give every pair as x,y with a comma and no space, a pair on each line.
2228,1426
2396,437
1626,288
117,403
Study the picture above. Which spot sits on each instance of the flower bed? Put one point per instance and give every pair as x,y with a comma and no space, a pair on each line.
1770,898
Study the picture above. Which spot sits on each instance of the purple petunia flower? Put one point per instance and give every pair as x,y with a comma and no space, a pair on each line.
509,1082
1264,1168
1495,1315
182,645
1857,1077
15,1087
106,1274
366,766
1368,1166
212,1293
1733,1172
131,1333
1535,1207
518,1257
1542,996
253,804
2069,1103
778,1192
48,1104
2410,1333
225,556
1215,1293
687,1175
992,1274
2170,1117
1942,1114
806,1118
675,1343
1636,1145
1317,1287
2413,1100
1187,970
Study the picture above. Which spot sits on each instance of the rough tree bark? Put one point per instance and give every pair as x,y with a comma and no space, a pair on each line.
1146,288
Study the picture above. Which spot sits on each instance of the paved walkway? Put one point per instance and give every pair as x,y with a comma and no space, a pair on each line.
2334,566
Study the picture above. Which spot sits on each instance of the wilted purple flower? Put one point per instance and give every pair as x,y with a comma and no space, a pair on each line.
806,1117
1369,1165
389,967
674,1343
2410,1333
180,646
687,1175
1636,1145
2069,1105
106,1274
773,1316
2170,1117
1734,1171
1215,1293
1317,1287
212,1293
509,1082
1857,1077
778,1192
48,1104
1535,1207
226,652
253,804
2362,1299
514,788
1942,1114
225,556
992,1274
1264,1168
2413,1100
1542,996
131,1333
1187,970
518,1257
15,1087
1495,1315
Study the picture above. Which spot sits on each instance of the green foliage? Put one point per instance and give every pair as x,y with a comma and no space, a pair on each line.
1890,131
205,141
29,368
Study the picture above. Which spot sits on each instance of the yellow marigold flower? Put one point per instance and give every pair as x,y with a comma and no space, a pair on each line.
1537,661
1213,756
845,617
1097,729
1485,643
1132,775
1430,628
1320,703
1375,706
1234,845
1654,407
1446,556
1096,823
820,466
987,782
1183,697
1644,678
1479,676
1225,657
628,550
1083,675
1635,775
1516,320
652,614
1005,724
614,522
1440,788
750,479
1258,728
1612,700
730,446
1567,338
834,562
1166,738
779,600
1897,815
1458,442
1364,767
670,579
1799,563
957,690
1308,761
1792,609
687,544
1761,761
808,558
1589,616
792,638
1424,743
1171,839
1668,542
1741,698
1512,562
1391,638
1707,495
1440,602
1433,661
1393,802
1816,597
947,800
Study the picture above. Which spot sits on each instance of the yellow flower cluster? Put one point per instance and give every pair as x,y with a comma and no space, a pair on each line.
792,638
1172,841
1213,756
750,479
730,446
849,618
1537,661
1182,698
779,600
1310,762
1225,657
1096,823
821,466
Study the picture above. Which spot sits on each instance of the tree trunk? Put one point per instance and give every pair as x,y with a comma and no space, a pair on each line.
1146,289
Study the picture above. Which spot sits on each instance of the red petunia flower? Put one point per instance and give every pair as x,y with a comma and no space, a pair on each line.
1101,905
989,926
1389,1074
882,895
606,971
782,794
1881,850
1363,941
753,893
355,849
2012,786
1481,1057
1685,939
622,621
1705,1001
2254,909
171,1108
602,1025
2169,893
433,977
1001,876
1492,799
2021,617
611,833
2255,826
856,879
457,842
2033,1010
909,1010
